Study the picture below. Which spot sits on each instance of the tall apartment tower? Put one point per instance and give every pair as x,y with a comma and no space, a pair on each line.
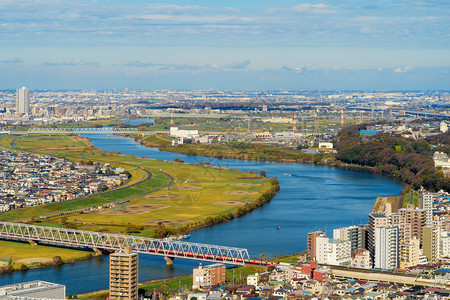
375,220
333,252
23,101
427,204
311,248
355,234
123,275
409,253
386,247
412,221
430,243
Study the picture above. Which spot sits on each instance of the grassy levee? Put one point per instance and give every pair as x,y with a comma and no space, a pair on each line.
22,256
178,198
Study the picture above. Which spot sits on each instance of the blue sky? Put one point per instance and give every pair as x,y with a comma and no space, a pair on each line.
252,44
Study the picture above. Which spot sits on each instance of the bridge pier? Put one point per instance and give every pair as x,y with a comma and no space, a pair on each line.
32,243
97,251
169,260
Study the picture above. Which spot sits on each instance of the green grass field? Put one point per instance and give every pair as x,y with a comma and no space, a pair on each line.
197,191
407,199
24,253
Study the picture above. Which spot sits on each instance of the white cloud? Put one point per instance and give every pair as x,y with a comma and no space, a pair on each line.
306,8
76,62
403,69
320,8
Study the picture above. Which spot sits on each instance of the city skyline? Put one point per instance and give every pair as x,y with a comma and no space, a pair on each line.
198,44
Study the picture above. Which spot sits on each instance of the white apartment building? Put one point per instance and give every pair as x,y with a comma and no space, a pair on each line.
443,127
355,234
332,251
253,279
361,259
444,245
23,101
386,247
174,131
427,204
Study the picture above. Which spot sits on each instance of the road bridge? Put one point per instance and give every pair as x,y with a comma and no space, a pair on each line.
109,241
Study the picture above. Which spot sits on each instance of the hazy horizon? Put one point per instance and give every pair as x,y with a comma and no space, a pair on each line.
235,45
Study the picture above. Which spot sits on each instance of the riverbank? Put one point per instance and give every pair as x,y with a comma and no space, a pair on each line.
259,152
199,195
250,152
311,198
22,256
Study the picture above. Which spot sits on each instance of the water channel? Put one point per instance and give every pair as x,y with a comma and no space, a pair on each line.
311,198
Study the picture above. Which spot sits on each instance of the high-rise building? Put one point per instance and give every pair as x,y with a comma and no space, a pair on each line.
208,276
333,252
123,275
386,247
409,253
444,245
427,204
412,221
311,243
355,234
23,101
430,243
375,220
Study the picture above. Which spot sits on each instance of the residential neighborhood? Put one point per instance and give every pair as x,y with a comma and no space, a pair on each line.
31,179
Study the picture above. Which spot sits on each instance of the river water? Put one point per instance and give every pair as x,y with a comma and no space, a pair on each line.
311,198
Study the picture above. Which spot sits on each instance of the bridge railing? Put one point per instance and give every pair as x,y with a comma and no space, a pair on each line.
110,241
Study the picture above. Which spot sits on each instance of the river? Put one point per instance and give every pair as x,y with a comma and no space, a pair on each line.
311,198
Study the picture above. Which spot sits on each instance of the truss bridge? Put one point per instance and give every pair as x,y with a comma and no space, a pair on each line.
68,130
109,241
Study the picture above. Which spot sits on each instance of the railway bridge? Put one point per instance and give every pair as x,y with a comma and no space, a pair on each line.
36,234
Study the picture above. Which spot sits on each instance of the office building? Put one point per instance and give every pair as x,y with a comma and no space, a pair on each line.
23,101
123,275
427,204
311,243
333,252
430,243
386,247
208,276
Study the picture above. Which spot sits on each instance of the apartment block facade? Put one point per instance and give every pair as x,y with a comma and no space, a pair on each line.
123,275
